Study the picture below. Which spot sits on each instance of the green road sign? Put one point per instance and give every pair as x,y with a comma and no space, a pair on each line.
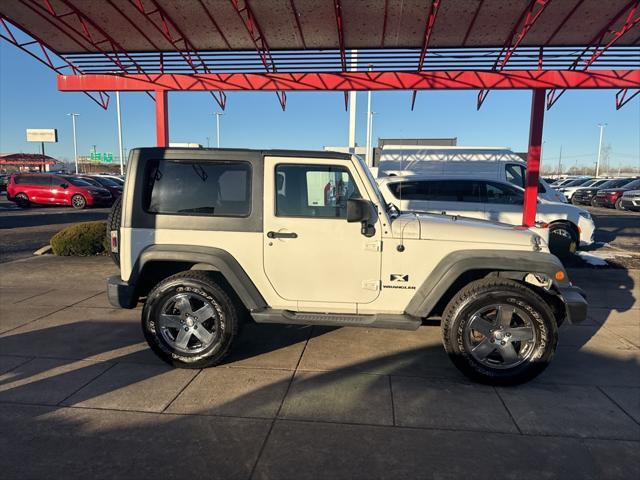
104,157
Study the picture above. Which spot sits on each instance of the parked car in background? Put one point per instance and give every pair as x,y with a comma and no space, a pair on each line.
47,189
569,191
569,226
4,179
630,200
115,189
585,196
119,179
565,181
573,183
490,163
612,197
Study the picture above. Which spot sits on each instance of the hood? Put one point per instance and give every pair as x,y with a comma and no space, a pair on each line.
450,228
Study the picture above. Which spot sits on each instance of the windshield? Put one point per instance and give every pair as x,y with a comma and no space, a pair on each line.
616,182
633,185
78,182
106,181
372,181
577,182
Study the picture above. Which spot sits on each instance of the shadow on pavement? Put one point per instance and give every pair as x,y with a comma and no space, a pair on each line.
339,416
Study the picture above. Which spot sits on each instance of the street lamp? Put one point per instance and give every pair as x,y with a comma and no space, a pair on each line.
75,142
601,125
218,115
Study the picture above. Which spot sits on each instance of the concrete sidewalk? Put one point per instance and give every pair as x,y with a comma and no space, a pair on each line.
81,396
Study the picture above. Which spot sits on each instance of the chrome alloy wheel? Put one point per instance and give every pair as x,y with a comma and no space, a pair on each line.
189,323
500,336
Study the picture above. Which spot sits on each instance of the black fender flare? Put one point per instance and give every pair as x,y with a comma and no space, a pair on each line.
204,258
457,263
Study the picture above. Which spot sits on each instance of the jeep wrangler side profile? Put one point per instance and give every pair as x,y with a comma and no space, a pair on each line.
213,237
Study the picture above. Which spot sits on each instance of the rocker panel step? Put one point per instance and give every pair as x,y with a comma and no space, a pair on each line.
394,322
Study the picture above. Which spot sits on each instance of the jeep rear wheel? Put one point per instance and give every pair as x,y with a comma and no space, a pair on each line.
189,321
500,332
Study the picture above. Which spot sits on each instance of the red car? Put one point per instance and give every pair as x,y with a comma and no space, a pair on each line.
611,197
47,189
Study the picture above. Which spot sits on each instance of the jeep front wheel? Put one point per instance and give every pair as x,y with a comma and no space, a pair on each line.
189,321
500,332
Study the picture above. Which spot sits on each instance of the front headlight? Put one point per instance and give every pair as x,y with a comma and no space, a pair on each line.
586,215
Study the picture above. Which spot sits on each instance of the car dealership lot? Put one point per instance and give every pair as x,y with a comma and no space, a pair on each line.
79,388
22,231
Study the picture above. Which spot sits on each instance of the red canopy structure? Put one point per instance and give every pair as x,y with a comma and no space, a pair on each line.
547,46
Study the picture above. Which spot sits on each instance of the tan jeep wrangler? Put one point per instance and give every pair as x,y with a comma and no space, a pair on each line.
211,237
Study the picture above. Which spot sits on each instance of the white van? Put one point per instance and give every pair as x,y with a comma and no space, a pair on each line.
488,163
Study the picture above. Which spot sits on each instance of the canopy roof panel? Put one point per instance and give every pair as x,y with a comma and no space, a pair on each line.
214,25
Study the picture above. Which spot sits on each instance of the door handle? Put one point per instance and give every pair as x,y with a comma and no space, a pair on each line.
282,235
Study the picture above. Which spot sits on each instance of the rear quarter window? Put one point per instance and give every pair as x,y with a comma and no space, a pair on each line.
204,188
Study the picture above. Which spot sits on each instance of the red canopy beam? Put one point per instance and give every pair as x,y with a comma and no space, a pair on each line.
361,81
533,158
257,37
520,30
428,30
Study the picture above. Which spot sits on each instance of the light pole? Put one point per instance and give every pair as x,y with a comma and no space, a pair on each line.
601,125
218,115
207,141
121,150
75,142
368,157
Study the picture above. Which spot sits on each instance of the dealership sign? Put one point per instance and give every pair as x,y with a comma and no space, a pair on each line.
42,135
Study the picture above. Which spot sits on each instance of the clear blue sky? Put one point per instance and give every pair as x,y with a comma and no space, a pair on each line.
29,99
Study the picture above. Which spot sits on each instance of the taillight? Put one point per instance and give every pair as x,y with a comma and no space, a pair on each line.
114,241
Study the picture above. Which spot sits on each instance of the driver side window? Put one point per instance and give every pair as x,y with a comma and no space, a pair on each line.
313,191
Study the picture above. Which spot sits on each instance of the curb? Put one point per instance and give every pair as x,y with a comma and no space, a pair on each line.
43,251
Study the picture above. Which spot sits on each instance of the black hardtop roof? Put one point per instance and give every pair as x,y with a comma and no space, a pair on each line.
262,152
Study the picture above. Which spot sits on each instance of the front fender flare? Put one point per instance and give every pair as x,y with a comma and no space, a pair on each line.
457,263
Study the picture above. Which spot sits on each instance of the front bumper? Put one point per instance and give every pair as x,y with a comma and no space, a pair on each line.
632,203
575,303
120,293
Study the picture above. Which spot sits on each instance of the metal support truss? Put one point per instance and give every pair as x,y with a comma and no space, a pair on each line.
257,37
525,22
622,99
597,46
39,50
343,51
159,18
428,30
360,81
85,33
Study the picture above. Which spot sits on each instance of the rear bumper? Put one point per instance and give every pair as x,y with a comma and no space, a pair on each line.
575,302
120,293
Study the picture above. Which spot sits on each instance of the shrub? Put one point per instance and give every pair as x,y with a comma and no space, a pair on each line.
81,239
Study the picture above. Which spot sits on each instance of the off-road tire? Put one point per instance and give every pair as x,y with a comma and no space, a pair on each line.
485,292
203,284
562,245
619,205
22,200
78,202
113,224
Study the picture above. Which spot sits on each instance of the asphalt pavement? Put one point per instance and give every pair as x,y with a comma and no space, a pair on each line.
22,231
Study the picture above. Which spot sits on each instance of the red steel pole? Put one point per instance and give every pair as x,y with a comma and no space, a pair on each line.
162,119
533,157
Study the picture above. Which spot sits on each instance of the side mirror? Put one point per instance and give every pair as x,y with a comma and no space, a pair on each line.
363,211
64,185
358,210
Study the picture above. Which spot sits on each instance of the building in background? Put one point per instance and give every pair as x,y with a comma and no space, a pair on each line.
28,162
